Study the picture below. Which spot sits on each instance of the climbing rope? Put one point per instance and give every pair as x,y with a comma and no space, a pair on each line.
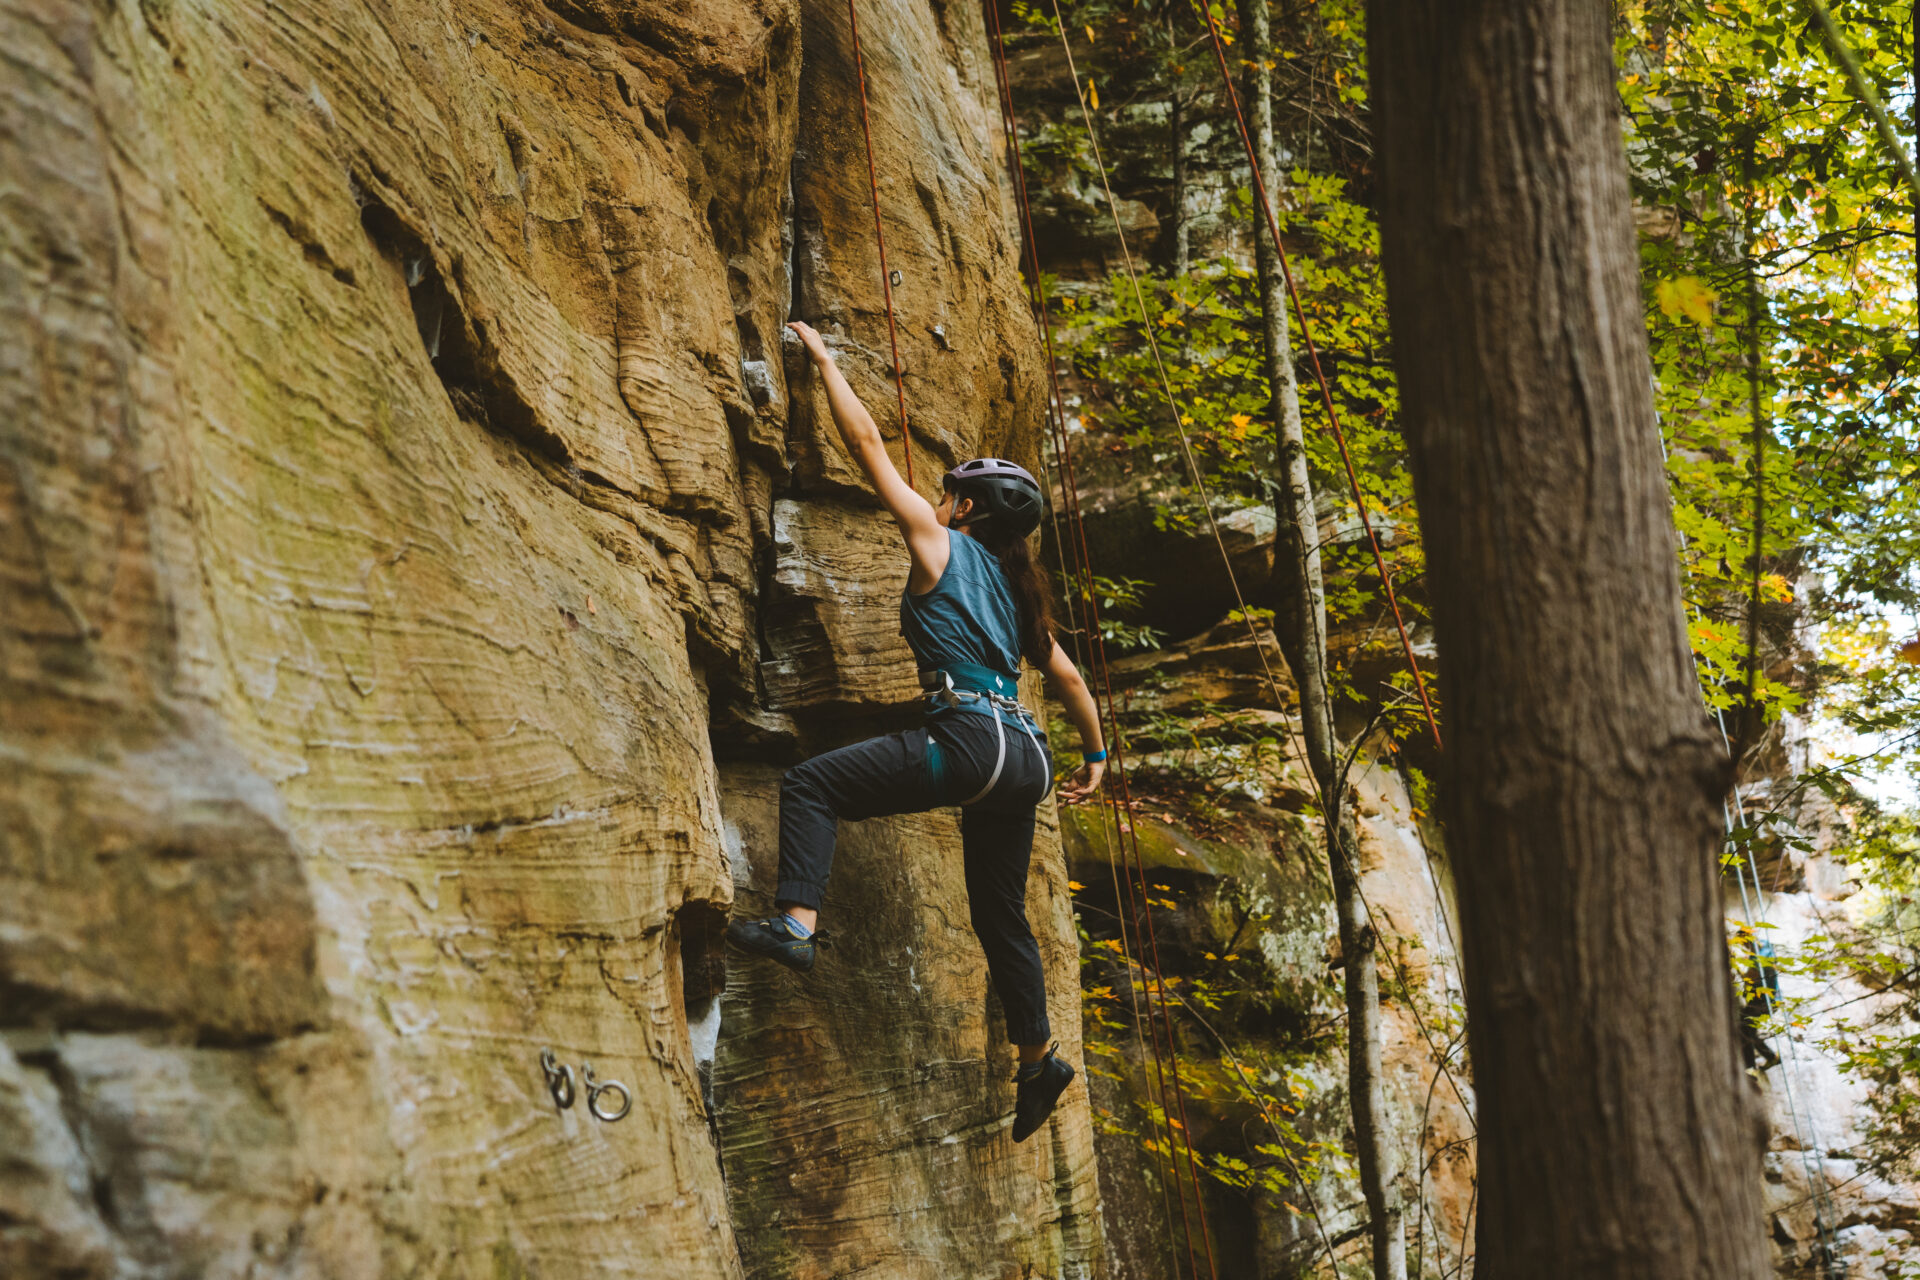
886,281
1077,550
1328,805
1353,482
880,237
1320,377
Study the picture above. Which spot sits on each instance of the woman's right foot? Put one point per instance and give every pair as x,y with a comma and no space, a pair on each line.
1036,1089
775,938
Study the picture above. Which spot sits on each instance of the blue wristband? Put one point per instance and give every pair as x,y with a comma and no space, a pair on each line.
1092,757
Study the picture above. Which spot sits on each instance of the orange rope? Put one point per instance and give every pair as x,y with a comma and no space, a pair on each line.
1313,357
880,238
1103,677
1088,645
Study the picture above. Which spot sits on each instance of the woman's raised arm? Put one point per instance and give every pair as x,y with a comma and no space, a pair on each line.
926,538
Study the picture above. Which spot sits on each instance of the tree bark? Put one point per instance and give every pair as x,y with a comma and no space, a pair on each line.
1301,622
1581,783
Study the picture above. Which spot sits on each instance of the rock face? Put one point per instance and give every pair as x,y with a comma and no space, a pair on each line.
401,471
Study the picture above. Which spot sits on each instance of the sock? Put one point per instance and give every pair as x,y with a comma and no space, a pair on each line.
1031,1070
799,930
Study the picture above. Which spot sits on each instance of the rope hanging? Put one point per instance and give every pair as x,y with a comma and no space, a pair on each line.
1326,392
1353,480
880,237
1743,862
1200,484
1077,549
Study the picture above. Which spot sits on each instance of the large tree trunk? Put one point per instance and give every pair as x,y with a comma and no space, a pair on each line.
1582,786
1301,622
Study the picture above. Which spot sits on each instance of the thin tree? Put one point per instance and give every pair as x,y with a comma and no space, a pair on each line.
1581,784
1300,620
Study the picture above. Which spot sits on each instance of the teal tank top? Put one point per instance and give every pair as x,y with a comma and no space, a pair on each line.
969,617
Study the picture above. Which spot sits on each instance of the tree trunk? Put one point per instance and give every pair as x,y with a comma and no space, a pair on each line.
1582,784
1301,623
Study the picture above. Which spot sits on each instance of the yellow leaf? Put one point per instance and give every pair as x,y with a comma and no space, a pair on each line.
1241,420
1776,586
1089,31
1093,95
1686,296
1910,651
1075,886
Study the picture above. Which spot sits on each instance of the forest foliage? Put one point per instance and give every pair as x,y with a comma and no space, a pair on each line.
1778,262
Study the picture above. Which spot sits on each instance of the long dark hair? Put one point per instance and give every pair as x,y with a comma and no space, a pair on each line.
1032,588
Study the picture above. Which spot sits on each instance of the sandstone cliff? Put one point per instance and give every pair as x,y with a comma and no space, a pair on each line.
401,472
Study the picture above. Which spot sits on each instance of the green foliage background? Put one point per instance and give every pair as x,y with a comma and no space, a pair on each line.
1779,274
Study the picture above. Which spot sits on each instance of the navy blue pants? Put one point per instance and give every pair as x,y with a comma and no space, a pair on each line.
943,764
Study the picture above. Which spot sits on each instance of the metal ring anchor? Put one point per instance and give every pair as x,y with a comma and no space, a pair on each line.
597,1087
559,1079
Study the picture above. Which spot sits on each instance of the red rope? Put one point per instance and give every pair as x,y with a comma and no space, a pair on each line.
1063,452
1326,393
880,237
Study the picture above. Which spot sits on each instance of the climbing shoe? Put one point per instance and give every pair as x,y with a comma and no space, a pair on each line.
774,939
1037,1088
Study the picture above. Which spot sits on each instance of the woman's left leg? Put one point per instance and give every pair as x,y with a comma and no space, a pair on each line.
998,847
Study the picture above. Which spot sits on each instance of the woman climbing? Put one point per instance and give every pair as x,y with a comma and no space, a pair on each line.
975,604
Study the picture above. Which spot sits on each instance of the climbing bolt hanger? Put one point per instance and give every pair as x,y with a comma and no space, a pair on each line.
880,237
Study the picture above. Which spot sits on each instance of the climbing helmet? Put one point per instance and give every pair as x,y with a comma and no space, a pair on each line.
1002,492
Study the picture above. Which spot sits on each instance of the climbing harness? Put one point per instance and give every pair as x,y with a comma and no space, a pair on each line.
980,684
559,1079
596,1088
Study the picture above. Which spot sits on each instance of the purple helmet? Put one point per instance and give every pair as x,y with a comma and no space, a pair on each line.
1002,492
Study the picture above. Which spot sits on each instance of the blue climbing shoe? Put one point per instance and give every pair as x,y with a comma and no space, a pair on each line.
1036,1092
774,939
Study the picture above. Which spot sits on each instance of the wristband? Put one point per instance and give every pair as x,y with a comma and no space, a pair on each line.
1093,757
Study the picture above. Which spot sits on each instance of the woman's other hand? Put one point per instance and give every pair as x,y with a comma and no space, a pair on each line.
1084,782
810,338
